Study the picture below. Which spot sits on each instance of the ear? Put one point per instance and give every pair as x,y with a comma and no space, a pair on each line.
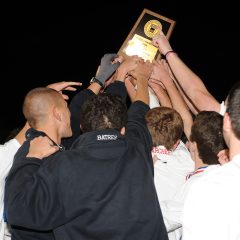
123,131
227,125
57,114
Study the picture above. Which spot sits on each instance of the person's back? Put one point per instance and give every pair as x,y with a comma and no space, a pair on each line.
172,160
7,151
206,141
218,213
102,188
117,199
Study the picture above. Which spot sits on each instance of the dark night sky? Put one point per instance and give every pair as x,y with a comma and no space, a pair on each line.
42,47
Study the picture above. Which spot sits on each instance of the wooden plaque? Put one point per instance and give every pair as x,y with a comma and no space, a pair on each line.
139,40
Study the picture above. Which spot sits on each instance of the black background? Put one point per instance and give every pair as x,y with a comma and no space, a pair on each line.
43,44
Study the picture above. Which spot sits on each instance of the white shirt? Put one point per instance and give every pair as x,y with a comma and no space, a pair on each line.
173,210
7,152
212,207
170,172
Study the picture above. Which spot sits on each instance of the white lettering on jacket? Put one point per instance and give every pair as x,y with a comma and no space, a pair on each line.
106,137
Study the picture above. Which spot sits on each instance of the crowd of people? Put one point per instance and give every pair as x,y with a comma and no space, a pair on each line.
165,166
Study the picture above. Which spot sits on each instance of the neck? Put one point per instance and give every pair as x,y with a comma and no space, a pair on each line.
199,163
50,132
234,148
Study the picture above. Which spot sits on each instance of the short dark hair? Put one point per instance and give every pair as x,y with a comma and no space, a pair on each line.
208,134
103,111
233,108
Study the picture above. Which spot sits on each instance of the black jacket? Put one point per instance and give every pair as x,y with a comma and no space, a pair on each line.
117,88
102,188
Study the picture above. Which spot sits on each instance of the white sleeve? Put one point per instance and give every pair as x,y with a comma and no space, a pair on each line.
7,152
222,108
153,99
172,214
172,210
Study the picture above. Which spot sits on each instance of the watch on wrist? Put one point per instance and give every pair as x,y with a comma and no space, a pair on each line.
94,79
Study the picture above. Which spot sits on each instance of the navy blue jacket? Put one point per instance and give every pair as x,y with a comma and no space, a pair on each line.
102,188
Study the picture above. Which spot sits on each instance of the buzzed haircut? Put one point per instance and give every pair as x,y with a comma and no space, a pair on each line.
165,126
37,102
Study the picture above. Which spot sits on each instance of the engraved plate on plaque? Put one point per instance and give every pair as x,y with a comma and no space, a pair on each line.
139,40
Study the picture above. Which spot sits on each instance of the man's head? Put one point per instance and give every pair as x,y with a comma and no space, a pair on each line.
207,134
46,107
165,126
103,111
231,125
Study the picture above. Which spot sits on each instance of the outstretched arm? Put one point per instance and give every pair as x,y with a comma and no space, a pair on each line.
142,74
192,85
176,99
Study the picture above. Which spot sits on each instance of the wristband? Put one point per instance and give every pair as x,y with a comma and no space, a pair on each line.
96,81
166,54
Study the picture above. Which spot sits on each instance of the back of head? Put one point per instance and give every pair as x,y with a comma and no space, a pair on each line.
233,108
37,104
165,126
208,134
103,111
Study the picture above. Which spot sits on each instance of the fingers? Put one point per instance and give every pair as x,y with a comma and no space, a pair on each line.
223,156
120,58
109,57
41,147
70,89
158,82
63,85
69,86
65,97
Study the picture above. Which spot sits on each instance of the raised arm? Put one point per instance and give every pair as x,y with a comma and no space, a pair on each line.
162,74
119,85
192,85
161,94
158,87
142,74
106,69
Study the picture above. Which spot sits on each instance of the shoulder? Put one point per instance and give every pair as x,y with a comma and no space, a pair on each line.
9,148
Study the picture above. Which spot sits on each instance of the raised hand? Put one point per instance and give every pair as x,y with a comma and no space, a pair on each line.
161,41
143,70
109,64
128,64
60,86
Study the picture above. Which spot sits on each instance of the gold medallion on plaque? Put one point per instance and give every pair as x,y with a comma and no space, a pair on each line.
151,28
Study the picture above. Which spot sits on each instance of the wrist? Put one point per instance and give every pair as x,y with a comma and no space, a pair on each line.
169,53
121,75
95,80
